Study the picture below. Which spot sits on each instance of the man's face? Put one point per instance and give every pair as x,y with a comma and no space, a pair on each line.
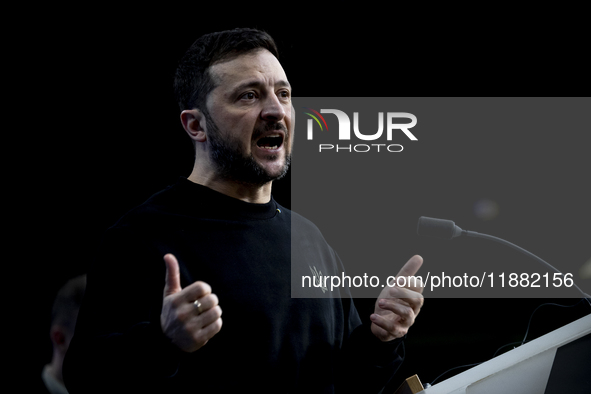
249,118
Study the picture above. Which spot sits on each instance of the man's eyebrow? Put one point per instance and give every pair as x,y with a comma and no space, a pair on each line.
256,83
283,84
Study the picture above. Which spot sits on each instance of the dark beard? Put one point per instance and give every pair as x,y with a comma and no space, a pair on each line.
232,164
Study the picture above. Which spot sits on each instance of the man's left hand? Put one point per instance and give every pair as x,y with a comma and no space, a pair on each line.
397,307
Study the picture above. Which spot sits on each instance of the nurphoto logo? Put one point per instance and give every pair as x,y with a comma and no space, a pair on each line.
344,130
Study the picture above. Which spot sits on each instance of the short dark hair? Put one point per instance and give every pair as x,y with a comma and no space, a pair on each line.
193,82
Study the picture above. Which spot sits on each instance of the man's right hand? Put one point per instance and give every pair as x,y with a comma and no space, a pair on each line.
187,326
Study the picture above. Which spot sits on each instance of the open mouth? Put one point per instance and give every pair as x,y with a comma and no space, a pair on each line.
270,142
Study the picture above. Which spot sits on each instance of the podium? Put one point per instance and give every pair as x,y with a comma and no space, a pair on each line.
558,362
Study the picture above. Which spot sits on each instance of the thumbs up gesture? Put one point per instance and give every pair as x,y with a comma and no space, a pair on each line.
397,307
191,316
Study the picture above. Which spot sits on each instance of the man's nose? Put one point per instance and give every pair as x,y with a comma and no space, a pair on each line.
273,109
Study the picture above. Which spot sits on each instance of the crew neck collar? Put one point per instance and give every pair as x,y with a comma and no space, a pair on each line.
204,200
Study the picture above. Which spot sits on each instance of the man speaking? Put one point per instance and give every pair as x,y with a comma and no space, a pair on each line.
191,290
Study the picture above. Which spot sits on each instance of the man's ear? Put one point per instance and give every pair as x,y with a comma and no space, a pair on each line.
194,124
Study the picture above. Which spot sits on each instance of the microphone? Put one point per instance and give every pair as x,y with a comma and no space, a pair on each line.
447,229
438,228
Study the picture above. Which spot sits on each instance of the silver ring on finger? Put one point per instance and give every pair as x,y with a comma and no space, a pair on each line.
197,306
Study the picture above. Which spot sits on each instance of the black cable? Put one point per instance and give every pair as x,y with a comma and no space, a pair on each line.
548,303
512,343
509,344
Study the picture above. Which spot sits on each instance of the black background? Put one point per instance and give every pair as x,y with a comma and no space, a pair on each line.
103,134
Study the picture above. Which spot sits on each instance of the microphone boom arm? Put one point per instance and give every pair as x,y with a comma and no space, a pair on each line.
447,229
474,234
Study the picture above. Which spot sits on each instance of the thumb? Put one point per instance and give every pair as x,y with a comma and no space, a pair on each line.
411,267
172,284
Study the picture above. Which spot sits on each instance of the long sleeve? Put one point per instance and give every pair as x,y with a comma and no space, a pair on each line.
271,340
118,344
367,364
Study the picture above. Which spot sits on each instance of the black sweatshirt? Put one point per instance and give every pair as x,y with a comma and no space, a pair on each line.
248,253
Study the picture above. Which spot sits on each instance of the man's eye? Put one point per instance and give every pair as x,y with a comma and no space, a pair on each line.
284,95
248,96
